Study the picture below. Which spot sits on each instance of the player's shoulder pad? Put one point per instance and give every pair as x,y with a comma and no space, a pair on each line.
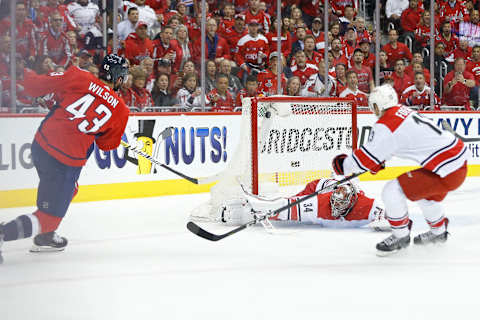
394,117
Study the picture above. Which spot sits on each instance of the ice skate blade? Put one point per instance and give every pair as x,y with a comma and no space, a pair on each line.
389,253
40,249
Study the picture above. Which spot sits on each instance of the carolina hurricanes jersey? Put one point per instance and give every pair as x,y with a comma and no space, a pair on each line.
403,133
411,96
87,110
318,210
249,49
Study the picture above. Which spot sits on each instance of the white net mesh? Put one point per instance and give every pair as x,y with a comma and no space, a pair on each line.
296,139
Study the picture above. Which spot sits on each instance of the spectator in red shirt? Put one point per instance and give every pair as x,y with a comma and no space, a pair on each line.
302,69
286,39
362,33
125,91
455,12
364,73
418,94
138,45
422,31
54,43
235,33
228,19
254,14
25,37
449,39
253,50
417,58
183,42
352,91
337,52
142,98
250,90
473,66
216,47
368,59
350,43
165,48
268,79
457,85
396,50
410,18
220,99
400,78
318,34
463,50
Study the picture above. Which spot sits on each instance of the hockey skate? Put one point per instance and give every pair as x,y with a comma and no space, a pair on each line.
392,244
430,237
48,242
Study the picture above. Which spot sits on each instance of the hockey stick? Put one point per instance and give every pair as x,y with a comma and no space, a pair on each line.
166,133
194,228
449,128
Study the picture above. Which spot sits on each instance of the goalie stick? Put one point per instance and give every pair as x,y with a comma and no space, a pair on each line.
196,229
449,128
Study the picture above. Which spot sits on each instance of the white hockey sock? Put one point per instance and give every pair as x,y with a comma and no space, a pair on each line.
396,210
434,214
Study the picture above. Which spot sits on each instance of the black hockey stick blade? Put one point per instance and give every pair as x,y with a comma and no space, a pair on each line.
195,229
449,128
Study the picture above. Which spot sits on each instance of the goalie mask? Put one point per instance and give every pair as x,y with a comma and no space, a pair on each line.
343,199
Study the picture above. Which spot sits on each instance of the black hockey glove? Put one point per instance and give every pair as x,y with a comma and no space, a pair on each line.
337,164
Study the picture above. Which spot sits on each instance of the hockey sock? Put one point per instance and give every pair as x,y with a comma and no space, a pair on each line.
23,226
434,214
396,210
47,222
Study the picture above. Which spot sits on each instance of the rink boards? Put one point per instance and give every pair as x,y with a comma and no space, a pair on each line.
201,145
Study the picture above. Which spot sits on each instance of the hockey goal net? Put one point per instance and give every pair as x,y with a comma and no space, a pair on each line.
285,141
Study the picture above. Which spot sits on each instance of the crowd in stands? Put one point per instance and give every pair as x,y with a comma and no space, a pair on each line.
162,41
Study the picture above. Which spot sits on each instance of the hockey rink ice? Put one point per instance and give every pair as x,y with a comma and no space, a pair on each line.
134,259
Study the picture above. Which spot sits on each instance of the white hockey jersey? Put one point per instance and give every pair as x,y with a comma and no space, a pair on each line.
404,133
85,17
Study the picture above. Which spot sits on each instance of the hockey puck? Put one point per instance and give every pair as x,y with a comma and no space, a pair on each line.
268,114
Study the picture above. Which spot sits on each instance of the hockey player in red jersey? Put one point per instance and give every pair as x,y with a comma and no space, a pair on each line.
344,207
403,133
88,111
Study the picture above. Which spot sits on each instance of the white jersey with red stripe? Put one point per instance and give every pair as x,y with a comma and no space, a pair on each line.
318,210
404,133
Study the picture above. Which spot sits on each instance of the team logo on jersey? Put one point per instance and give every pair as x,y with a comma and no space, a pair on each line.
269,83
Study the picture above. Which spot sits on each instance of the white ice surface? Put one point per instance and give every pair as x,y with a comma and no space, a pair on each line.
134,259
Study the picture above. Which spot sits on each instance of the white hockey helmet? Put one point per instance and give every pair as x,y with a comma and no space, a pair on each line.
384,97
343,199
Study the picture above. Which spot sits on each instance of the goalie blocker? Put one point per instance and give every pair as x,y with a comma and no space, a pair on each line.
345,207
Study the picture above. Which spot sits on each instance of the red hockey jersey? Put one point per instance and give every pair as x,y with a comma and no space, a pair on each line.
87,111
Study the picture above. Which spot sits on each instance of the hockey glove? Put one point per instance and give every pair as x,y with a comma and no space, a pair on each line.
337,164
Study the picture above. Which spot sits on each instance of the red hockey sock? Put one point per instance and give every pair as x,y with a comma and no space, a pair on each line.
47,222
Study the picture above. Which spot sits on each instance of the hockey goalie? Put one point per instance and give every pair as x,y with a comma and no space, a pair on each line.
344,207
